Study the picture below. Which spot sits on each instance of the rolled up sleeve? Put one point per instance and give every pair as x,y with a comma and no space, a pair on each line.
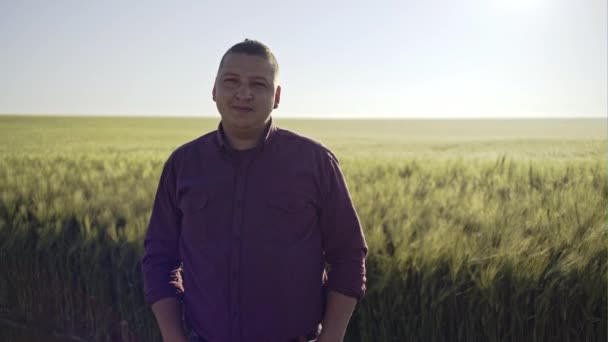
161,255
343,240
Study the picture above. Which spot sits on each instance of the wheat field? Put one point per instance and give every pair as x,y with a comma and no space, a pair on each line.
478,230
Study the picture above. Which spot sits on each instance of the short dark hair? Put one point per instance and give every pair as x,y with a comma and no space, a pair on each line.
253,47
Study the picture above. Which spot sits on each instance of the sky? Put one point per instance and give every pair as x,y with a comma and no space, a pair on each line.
338,59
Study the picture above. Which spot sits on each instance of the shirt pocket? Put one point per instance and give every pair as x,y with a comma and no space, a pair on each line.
194,218
291,218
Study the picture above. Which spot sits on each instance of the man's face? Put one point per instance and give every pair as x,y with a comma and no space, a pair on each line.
245,92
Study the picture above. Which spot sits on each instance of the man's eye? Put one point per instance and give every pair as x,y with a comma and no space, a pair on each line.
230,81
259,85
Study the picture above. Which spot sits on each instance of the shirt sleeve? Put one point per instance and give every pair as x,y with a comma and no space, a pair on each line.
161,257
343,240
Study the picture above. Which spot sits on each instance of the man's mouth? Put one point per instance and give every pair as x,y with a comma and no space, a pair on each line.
242,108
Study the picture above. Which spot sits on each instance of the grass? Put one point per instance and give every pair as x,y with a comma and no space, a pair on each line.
478,230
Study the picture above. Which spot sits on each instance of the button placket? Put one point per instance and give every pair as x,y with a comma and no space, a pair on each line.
236,252
236,232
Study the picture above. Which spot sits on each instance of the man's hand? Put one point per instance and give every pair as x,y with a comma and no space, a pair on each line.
327,338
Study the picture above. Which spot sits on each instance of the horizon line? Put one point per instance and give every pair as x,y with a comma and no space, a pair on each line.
216,116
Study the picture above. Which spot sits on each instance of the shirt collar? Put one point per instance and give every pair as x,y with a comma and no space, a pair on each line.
266,137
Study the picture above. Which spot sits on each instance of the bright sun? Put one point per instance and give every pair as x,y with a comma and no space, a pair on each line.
518,5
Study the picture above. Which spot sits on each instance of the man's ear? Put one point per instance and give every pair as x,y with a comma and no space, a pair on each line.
277,97
213,94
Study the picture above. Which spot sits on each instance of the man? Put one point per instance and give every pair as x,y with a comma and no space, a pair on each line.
254,213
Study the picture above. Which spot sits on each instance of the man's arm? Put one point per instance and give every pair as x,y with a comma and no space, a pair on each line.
162,281
168,316
345,251
338,310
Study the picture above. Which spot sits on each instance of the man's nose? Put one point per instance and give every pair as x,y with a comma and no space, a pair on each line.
244,93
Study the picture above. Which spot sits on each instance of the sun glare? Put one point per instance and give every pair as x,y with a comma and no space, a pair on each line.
518,5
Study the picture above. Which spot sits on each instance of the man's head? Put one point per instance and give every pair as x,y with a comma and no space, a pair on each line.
246,87
253,48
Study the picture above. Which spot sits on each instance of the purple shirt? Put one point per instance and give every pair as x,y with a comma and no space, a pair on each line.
253,231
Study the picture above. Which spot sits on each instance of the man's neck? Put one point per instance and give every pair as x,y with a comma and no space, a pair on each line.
244,140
